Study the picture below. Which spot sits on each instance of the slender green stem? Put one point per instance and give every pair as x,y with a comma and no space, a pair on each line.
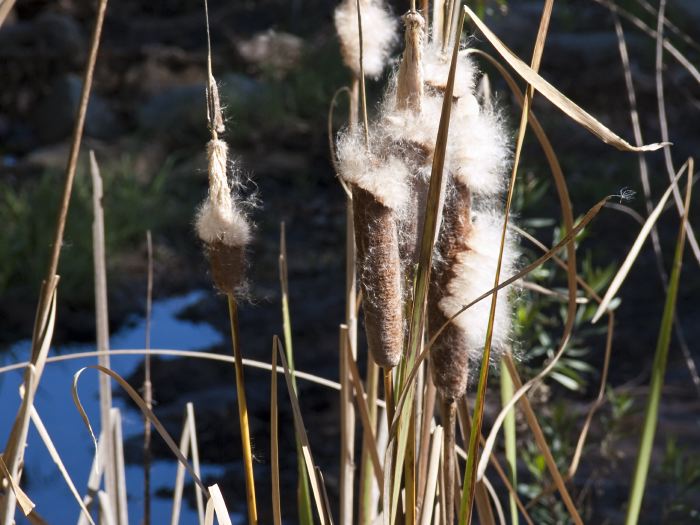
510,439
658,371
243,414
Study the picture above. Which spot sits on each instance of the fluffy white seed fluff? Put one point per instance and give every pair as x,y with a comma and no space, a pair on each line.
436,69
475,273
218,219
378,35
477,151
387,179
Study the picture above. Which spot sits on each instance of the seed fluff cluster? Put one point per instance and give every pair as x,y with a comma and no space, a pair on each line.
220,222
378,35
392,173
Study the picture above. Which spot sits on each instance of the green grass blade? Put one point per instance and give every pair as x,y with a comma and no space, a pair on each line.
509,434
303,493
651,415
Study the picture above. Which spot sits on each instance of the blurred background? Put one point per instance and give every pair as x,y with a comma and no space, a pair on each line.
278,66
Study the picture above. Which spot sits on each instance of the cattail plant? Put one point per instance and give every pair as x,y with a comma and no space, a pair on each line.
467,246
364,53
225,231
389,178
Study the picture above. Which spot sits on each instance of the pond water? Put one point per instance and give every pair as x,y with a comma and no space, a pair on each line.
41,480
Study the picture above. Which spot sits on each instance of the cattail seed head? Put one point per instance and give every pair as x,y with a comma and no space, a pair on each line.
378,35
221,225
409,86
377,243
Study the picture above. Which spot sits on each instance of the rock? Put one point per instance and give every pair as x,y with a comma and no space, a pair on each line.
180,111
54,116
52,35
272,51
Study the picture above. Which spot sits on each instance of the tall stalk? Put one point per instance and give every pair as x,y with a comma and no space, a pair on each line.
243,414
658,370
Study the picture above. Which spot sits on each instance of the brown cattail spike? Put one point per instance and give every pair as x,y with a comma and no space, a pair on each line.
409,88
450,351
380,276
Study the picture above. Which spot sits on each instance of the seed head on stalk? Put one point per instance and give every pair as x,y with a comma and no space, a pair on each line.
378,35
220,221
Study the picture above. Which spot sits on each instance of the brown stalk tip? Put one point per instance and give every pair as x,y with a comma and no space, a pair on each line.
227,266
409,88
379,268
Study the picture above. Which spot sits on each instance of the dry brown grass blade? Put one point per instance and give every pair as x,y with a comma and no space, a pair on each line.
194,447
251,363
274,443
606,364
428,498
216,501
470,472
361,400
180,475
633,252
568,107
40,346
367,501
324,512
331,138
104,506
429,396
464,421
496,502
26,504
541,441
646,186
121,508
347,427
102,325
5,8
663,125
76,140
673,51
136,398
56,457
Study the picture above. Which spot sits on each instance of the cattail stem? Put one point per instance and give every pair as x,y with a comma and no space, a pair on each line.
147,389
389,395
367,509
243,413
448,408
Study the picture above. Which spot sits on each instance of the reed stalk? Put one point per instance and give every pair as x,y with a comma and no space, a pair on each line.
243,413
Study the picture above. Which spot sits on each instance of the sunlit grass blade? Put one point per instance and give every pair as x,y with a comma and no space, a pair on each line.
360,399
274,443
510,440
243,413
633,253
428,498
433,213
102,327
303,494
541,441
568,107
56,457
658,370
466,504
324,512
